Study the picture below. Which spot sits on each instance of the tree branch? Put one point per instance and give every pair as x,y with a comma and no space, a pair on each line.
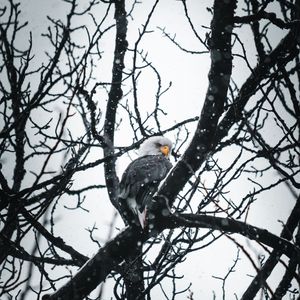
271,262
115,95
207,135
219,76
114,252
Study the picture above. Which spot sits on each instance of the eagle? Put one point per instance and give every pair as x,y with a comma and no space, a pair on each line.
141,179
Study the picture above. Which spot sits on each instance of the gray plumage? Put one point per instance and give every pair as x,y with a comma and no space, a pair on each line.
142,177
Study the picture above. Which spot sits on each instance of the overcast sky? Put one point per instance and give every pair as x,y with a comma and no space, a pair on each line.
188,74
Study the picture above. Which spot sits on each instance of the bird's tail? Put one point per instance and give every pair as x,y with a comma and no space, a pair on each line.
142,217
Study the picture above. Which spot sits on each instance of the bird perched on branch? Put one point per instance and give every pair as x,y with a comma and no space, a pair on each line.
142,177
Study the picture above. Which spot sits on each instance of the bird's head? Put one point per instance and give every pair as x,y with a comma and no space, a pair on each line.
156,145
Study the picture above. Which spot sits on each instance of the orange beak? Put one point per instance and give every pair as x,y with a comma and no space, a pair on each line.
165,150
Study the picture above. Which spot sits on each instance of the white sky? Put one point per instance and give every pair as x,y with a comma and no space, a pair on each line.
188,74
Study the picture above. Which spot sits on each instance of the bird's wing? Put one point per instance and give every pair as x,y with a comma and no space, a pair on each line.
141,178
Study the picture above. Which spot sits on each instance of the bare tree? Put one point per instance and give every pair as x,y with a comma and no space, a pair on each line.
62,119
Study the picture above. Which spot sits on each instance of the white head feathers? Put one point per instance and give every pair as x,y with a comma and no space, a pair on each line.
155,145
